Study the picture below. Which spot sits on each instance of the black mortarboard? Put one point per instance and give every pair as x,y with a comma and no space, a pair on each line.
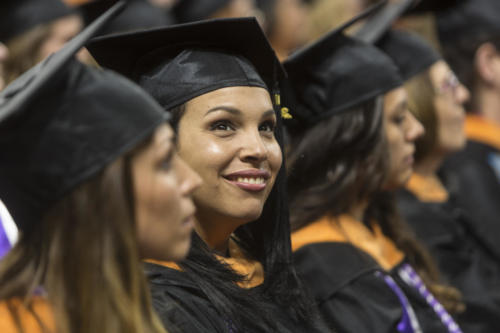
196,10
411,54
378,24
63,122
178,63
18,16
138,15
469,21
337,73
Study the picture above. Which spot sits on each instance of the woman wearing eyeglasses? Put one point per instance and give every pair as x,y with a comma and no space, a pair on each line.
436,98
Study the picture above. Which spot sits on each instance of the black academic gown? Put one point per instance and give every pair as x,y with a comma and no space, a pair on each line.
351,296
179,302
463,258
479,192
183,307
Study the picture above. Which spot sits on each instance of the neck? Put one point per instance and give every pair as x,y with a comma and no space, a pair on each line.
488,104
429,166
215,231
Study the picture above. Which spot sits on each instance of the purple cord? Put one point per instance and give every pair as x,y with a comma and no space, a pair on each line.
411,277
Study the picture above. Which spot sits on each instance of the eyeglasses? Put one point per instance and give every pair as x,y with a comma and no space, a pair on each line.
449,87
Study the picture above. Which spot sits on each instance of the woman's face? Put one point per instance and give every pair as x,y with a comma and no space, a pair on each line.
401,130
448,103
227,137
63,30
164,211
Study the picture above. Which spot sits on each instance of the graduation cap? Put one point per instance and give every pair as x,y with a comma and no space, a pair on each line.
196,10
63,122
138,15
18,16
469,21
178,63
411,54
378,24
337,73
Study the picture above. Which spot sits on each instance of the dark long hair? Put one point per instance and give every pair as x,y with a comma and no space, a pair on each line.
267,240
335,164
84,256
342,161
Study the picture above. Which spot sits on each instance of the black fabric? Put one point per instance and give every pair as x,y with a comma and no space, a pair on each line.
349,294
411,54
63,122
80,124
196,10
335,74
179,303
479,192
469,20
425,6
18,16
463,259
183,307
377,25
178,63
139,15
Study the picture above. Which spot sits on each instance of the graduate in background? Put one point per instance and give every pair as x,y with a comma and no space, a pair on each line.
220,81
352,143
90,174
32,30
469,35
428,203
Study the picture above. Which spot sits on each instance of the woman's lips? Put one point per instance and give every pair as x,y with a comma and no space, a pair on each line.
253,180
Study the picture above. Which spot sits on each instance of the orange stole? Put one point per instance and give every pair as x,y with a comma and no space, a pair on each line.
482,130
28,321
426,189
238,261
345,228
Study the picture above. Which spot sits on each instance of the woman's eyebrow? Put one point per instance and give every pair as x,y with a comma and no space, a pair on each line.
268,113
224,108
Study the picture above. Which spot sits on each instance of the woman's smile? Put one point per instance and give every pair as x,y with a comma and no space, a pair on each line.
252,180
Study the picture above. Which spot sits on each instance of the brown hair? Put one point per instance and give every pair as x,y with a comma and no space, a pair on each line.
342,161
84,254
421,94
24,51
335,164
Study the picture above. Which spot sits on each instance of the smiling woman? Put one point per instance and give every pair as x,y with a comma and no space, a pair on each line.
238,275
238,157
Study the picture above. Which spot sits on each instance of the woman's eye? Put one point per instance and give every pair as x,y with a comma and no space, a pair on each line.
399,118
222,126
166,163
267,126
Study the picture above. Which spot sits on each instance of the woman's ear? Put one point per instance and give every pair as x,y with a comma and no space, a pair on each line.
487,64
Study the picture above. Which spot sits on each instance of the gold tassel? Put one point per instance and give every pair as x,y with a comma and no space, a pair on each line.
285,113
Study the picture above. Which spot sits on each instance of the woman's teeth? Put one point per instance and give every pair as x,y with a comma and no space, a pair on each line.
258,180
